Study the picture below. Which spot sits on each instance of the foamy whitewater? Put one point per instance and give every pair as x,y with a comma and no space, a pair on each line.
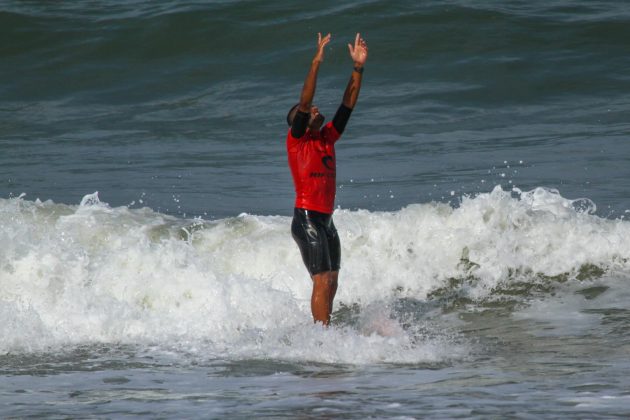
236,288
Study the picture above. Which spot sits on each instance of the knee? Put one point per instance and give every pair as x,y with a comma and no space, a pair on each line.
324,281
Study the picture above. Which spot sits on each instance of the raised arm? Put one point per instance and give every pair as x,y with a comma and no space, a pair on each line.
308,90
359,54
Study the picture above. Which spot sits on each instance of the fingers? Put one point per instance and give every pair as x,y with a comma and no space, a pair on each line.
325,41
360,46
322,42
359,51
360,42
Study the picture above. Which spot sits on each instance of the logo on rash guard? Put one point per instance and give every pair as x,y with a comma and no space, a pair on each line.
328,162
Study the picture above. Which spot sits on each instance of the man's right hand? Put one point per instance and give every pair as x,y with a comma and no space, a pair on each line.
321,43
308,90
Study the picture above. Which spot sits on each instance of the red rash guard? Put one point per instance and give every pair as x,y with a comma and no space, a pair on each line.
313,167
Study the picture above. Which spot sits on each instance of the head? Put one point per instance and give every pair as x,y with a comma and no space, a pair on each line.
315,121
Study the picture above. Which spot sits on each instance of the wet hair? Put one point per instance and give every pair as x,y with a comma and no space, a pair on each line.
291,114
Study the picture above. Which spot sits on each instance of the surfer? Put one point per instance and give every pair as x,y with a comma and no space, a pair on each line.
311,155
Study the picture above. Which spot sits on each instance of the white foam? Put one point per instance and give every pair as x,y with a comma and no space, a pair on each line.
237,287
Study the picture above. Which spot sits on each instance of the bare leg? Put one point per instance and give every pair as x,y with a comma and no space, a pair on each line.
333,289
321,302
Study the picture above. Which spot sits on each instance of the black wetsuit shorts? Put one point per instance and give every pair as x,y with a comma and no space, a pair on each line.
317,238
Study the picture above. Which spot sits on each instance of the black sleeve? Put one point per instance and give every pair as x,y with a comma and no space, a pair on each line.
341,118
300,122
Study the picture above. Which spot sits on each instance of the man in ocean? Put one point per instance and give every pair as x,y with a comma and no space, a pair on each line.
311,153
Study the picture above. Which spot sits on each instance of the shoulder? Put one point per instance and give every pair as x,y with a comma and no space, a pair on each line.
296,140
330,133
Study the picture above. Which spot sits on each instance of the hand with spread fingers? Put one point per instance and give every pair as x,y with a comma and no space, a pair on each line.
321,43
359,52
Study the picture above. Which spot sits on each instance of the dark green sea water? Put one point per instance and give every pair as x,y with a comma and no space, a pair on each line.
182,104
454,301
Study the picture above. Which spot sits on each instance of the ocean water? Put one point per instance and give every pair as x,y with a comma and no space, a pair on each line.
146,263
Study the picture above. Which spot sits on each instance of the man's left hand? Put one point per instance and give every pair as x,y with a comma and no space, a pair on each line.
359,52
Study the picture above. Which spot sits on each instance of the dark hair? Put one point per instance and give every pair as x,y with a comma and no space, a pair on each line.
291,114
